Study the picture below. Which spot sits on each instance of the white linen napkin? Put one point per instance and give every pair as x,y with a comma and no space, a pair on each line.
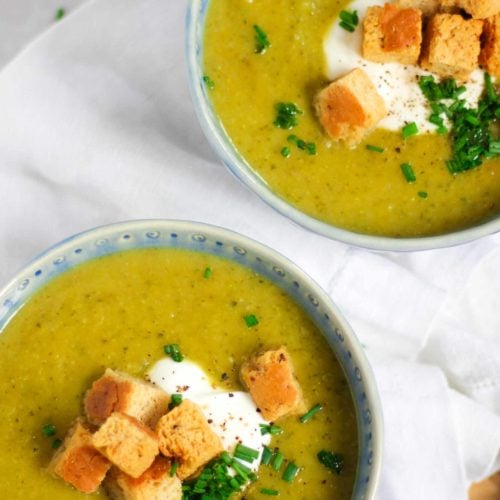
97,125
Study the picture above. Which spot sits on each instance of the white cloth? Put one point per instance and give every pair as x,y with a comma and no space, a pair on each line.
96,126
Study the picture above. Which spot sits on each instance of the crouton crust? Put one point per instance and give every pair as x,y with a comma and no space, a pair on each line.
349,107
428,7
451,46
154,484
127,443
478,9
185,436
392,34
490,54
77,462
272,384
116,391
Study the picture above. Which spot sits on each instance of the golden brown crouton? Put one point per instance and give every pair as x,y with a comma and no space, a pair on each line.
428,7
127,443
185,436
269,378
392,34
490,55
155,484
478,9
451,46
77,462
116,391
350,107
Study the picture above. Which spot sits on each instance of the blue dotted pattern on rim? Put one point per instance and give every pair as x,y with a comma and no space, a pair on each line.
15,295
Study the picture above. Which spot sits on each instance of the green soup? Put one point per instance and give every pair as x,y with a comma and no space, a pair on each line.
355,189
118,312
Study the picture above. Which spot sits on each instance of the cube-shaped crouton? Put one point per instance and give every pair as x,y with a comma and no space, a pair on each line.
490,54
272,384
77,462
350,107
155,484
116,391
127,443
392,34
451,46
186,437
428,7
478,9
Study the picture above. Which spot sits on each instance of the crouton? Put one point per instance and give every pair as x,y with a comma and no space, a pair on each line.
77,462
428,7
478,9
350,107
270,379
392,34
452,45
127,443
185,436
490,54
155,484
116,391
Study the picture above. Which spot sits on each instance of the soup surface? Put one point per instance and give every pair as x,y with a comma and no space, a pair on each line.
356,189
118,312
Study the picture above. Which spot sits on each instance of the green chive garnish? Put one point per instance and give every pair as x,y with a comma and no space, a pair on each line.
175,400
278,461
173,469
49,430
291,472
409,130
422,194
267,455
267,491
207,273
348,27
242,452
272,429
374,148
209,82
60,13
407,170
310,414
56,443
332,461
348,20
174,352
286,115
261,41
251,320
285,152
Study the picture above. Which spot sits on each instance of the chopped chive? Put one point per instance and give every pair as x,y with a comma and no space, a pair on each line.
407,170
175,400
291,472
261,41
374,148
242,452
208,82
267,491
207,273
348,27
332,461
286,115
226,458
251,320
311,148
49,430
60,13
267,455
310,414
292,138
173,469
285,152
409,130
348,20
56,443
278,461
240,469
423,194
174,352
272,429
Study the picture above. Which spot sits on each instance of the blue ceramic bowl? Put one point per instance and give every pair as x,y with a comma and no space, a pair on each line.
217,241
222,145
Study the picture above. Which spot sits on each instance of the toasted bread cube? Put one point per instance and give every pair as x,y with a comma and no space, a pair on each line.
490,54
116,391
452,45
272,384
127,443
392,34
350,107
428,7
77,462
155,484
185,436
478,9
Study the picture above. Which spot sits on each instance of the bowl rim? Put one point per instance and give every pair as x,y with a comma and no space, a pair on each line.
220,233
221,143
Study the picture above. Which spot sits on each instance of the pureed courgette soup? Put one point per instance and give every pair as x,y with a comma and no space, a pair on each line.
356,189
119,311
